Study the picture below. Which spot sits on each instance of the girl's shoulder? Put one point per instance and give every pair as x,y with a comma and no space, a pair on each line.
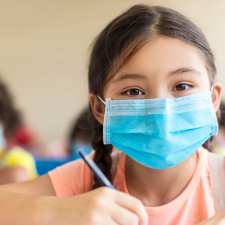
216,165
75,177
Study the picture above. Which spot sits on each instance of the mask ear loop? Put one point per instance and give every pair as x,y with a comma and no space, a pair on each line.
212,87
104,102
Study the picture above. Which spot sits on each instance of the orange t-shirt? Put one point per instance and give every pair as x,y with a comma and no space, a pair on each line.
193,205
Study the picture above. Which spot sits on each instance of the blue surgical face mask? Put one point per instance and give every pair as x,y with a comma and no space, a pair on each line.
160,133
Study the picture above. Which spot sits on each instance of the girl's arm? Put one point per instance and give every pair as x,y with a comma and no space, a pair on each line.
22,209
21,203
34,203
40,186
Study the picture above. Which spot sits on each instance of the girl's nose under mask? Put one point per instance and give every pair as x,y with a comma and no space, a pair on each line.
160,133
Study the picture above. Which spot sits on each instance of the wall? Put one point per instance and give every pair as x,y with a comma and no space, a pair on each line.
44,48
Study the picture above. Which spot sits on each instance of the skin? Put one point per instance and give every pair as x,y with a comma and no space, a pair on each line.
163,68
11,175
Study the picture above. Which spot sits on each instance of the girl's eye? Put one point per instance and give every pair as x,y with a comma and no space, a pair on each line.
183,87
133,92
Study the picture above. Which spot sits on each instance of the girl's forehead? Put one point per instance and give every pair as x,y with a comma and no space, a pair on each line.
163,55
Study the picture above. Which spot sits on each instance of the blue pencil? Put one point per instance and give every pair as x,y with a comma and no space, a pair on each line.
99,174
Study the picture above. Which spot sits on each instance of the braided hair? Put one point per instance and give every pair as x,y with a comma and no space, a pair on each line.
120,40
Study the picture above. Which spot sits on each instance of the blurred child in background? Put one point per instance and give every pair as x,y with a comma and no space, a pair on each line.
61,152
16,164
15,131
80,134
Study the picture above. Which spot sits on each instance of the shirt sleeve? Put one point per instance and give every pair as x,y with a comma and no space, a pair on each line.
71,179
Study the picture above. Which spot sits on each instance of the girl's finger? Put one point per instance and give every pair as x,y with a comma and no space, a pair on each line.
123,216
134,205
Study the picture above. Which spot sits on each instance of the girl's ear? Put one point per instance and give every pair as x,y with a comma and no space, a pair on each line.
217,95
97,108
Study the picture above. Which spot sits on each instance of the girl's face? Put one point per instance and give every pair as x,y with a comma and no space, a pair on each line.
163,68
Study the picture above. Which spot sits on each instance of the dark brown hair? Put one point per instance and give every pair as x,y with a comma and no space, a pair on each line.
121,39
10,116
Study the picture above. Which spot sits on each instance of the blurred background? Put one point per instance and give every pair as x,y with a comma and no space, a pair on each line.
44,49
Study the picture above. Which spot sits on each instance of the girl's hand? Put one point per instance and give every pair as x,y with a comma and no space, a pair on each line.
218,219
100,207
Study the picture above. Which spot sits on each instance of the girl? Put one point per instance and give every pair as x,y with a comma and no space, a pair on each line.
153,97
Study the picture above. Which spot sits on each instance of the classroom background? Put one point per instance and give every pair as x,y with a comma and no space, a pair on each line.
44,49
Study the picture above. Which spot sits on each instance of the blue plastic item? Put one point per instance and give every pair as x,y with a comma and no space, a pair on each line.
44,165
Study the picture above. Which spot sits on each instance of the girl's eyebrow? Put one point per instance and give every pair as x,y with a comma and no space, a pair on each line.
137,76
125,76
184,70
